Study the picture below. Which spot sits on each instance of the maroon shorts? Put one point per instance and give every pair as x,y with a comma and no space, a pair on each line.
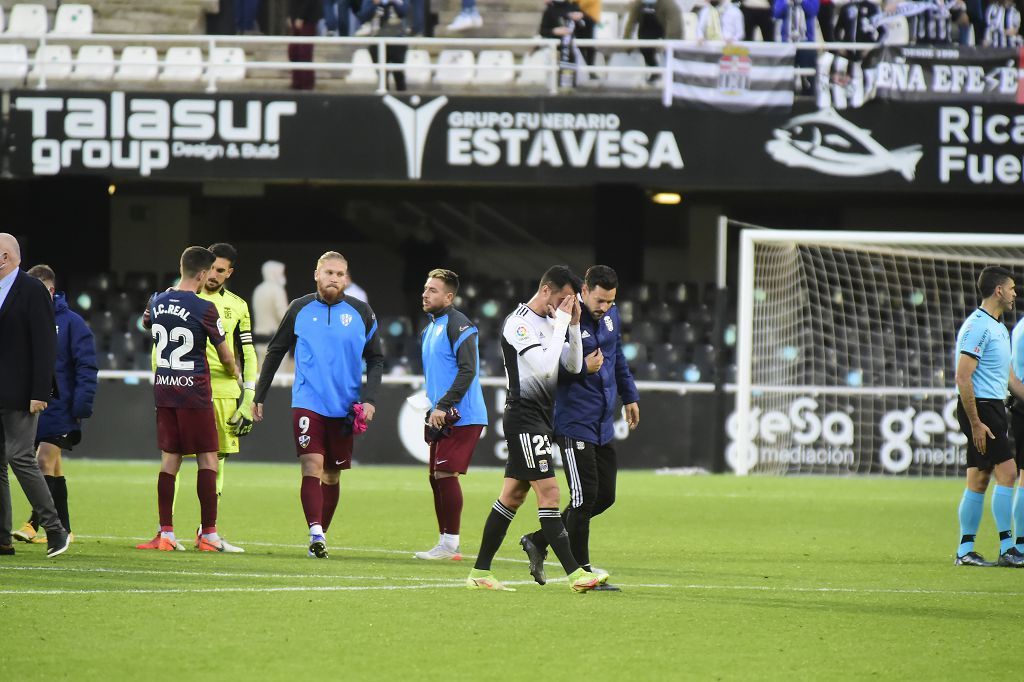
186,430
328,436
452,454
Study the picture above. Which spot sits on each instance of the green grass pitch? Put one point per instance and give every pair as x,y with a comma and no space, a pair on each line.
722,578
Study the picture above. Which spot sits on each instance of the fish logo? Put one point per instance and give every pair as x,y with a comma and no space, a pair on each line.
827,143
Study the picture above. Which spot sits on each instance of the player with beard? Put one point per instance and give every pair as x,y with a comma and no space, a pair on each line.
451,368
331,335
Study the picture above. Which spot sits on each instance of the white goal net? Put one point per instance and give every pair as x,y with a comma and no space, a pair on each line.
845,349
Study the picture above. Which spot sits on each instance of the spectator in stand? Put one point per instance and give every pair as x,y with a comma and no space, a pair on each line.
977,16
1003,24
591,8
827,20
565,20
303,16
390,15
758,14
931,23
466,19
859,22
654,20
720,20
797,19
336,17
246,12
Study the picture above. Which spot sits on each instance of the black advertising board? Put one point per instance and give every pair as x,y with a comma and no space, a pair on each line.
515,140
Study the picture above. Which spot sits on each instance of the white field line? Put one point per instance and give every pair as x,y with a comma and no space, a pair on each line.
221,574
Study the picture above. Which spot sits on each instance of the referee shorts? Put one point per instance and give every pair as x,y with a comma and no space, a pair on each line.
993,415
529,456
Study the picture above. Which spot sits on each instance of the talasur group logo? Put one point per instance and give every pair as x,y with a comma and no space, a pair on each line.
827,143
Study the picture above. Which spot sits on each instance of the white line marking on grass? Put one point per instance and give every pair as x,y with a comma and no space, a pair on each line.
215,574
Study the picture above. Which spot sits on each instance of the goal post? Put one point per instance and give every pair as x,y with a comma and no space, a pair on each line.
845,349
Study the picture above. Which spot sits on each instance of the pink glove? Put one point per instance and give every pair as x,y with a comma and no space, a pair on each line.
359,422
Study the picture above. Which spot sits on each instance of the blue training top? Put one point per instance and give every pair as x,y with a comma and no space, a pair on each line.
451,366
985,338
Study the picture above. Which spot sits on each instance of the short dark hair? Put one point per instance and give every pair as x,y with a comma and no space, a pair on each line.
195,259
450,278
991,277
601,276
557,276
44,273
225,251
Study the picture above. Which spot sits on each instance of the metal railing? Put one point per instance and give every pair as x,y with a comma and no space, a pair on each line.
548,65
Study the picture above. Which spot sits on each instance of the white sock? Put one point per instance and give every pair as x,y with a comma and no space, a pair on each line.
450,542
169,534
212,537
440,539
316,529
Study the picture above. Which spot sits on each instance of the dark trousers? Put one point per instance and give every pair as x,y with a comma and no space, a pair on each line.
649,29
393,54
304,79
590,471
758,17
17,441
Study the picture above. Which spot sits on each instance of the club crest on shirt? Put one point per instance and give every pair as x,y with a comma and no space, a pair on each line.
437,330
543,466
304,441
608,323
580,445
522,332
346,319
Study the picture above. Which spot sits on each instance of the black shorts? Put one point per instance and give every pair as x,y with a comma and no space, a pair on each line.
529,456
993,415
64,441
1017,429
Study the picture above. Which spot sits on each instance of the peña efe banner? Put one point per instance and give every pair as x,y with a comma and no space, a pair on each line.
516,140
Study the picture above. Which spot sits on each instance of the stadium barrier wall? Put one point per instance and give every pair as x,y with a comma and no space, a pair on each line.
883,146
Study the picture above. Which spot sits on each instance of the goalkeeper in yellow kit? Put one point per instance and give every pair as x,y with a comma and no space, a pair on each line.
233,417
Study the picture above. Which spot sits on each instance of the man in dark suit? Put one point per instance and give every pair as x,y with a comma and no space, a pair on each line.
28,353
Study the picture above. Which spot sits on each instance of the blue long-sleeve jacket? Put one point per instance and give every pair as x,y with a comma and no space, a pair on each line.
75,373
780,10
585,404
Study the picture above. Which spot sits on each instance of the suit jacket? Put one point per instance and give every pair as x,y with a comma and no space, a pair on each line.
28,344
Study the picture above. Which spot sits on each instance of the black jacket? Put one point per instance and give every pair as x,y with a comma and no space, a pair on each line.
28,344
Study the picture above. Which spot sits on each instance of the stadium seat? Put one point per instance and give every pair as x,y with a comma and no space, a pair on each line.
73,20
138,63
690,25
94,62
461,63
535,76
182,65
396,327
417,67
495,67
227,64
682,333
645,332
898,32
627,311
27,20
13,63
2,22
625,79
52,61
363,69
608,27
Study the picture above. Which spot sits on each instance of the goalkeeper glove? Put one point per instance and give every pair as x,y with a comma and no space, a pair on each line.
241,420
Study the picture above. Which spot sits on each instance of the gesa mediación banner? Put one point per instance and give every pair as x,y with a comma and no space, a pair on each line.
517,140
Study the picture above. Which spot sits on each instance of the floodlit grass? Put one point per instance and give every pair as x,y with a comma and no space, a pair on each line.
722,578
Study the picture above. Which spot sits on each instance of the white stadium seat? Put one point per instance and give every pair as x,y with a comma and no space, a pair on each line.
897,32
53,61
73,20
462,63
27,20
94,63
227,63
535,76
495,67
625,79
608,27
182,65
13,63
138,63
363,70
690,25
417,67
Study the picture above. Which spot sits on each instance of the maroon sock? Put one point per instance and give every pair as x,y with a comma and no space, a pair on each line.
331,494
165,501
312,497
206,488
438,511
451,503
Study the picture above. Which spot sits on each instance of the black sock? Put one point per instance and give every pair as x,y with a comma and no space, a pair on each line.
51,483
495,528
60,501
558,538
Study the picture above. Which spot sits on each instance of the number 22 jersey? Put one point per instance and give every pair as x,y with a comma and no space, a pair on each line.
181,323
